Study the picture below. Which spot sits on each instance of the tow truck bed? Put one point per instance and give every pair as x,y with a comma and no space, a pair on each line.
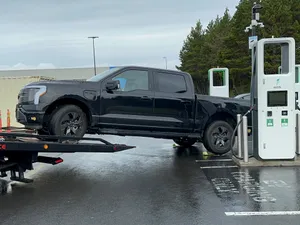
19,150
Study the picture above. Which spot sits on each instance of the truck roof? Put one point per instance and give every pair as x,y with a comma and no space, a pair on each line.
153,68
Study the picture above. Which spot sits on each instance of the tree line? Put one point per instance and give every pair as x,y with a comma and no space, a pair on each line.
224,43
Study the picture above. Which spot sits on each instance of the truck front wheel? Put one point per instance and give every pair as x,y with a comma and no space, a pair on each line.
217,137
68,120
185,142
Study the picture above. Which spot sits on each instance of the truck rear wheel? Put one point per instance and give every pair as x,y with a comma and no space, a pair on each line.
185,142
68,120
217,137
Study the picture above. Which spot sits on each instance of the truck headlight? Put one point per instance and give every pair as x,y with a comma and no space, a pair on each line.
32,93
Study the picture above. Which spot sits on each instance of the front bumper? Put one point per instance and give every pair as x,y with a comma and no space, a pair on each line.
29,118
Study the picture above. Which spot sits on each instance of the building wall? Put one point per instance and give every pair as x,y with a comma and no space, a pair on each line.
9,90
58,74
12,81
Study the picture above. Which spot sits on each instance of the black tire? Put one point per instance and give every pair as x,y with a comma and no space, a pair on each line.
74,119
217,137
42,132
185,142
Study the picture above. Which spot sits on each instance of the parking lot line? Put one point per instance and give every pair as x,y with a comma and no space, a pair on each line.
217,167
266,213
214,160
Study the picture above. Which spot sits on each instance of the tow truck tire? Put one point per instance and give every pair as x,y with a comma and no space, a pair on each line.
217,137
65,113
185,142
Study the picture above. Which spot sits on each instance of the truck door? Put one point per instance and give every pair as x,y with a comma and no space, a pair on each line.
131,106
173,102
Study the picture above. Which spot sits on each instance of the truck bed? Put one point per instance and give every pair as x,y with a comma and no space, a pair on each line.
24,140
19,150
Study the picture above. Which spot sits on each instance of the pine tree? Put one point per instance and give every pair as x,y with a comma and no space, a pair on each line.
224,42
201,50
215,35
191,52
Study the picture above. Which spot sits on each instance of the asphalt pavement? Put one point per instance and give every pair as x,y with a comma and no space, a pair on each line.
153,184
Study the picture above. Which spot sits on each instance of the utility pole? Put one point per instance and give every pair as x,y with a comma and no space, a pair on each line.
252,40
93,37
255,18
166,62
254,23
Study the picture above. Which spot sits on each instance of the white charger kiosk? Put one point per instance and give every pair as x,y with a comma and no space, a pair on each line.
297,104
273,96
223,90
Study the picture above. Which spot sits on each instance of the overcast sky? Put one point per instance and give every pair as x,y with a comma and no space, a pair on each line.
40,33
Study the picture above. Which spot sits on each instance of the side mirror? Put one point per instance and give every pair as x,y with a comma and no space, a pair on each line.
112,85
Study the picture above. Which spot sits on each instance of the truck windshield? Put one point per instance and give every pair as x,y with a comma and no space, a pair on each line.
102,75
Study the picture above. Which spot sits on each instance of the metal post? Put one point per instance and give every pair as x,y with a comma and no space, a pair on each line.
245,138
166,60
298,134
94,54
254,23
239,135
253,31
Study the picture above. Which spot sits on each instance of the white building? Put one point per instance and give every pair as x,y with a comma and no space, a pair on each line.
57,74
12,81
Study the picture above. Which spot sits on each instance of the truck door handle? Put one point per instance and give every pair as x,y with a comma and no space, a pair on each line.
146,98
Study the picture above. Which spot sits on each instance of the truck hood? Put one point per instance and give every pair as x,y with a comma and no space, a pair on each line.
67,86
59,82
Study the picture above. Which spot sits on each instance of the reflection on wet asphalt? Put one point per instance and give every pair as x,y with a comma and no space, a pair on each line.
151,184
267,189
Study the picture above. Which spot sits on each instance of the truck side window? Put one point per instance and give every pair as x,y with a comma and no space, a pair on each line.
170,83
131,80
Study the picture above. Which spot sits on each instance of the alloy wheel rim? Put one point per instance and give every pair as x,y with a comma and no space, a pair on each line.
220,137
71,123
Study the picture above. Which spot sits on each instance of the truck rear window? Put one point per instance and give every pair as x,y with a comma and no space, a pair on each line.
170,83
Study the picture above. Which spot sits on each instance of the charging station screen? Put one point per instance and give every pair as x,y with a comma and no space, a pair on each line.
277,98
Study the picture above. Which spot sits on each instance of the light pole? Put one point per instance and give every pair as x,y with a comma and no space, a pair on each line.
93,37
166,59
254,38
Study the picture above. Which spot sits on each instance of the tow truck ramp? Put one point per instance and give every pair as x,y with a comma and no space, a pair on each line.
19,150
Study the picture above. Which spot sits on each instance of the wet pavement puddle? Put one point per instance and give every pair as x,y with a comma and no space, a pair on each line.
254,191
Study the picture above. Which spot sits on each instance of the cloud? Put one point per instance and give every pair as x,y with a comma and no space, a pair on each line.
130,32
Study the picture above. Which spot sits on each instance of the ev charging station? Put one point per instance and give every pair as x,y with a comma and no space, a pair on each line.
273,98
297,106
297,72
221,91
297,86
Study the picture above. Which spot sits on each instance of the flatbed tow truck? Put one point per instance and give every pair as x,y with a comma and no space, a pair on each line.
20,148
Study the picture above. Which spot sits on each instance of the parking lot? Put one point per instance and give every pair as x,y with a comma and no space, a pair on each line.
153,184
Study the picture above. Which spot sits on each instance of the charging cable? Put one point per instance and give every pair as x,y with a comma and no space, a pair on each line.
233,136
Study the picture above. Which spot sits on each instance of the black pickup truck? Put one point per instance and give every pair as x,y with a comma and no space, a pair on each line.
131,101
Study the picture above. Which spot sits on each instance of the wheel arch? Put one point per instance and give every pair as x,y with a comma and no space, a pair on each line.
68,100
221,115
218,116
